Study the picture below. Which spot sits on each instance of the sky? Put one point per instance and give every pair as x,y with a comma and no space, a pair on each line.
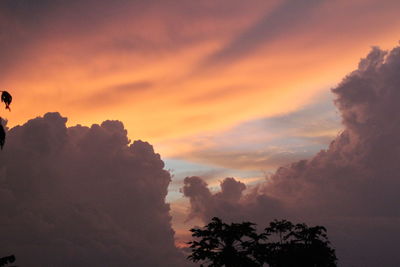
213,89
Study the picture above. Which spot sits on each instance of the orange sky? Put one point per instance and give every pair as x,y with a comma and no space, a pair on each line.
110,70
176,72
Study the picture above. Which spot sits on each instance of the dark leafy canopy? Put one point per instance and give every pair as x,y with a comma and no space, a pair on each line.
6,260
6,98
221,244
298,245
282,244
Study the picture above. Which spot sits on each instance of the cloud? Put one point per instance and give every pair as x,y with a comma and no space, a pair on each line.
81,196
118,93
67,52
351,187
281,19
260,160
264,144
204,204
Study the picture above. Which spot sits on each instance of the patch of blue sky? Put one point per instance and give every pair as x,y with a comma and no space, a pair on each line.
257,147
210,173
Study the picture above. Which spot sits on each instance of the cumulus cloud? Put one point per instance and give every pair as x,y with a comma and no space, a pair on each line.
204,204
80,196
351,187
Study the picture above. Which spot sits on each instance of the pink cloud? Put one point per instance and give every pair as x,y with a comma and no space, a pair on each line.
83,196
352,187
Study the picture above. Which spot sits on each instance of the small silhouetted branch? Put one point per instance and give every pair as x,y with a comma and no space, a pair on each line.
7,260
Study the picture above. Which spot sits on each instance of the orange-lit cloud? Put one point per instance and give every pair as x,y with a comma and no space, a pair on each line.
351,187
139,62
197,78
263,144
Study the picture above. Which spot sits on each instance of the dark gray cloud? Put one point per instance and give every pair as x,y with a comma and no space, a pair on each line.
205,204
82,196
351,187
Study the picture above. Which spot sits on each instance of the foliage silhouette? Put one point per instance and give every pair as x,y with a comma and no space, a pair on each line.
223,244
6,260
2,134
6,98
282,244
299,245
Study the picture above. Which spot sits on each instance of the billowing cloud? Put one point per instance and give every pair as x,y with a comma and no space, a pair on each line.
81,196
351,187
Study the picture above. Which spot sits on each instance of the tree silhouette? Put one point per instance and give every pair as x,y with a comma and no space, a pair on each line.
6,260
298,245
223,244
6,98
282,244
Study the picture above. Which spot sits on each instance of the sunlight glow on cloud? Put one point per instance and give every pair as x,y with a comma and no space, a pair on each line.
138,61
263,144
351,187
222,88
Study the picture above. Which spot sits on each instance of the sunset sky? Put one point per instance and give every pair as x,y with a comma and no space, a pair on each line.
219,88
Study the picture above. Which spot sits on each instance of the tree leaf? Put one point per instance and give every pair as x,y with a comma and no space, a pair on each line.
2,135
6,98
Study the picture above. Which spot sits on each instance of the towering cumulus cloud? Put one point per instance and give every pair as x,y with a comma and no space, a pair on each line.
82,196
353,186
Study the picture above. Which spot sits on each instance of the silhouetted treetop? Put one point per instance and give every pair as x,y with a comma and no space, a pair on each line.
282,244
6,260
222,244
298,246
